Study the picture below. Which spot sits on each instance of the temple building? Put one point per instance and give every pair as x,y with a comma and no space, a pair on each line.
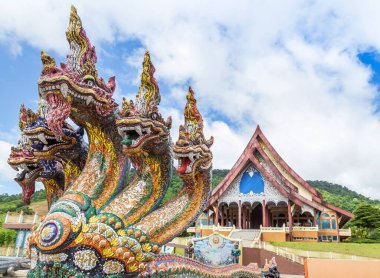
262,193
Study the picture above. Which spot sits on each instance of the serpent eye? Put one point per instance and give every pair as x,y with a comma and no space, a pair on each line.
89,80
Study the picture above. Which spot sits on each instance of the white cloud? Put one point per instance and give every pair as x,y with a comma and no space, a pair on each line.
292,68
6,172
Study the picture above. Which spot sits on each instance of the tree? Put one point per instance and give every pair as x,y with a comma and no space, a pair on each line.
366,221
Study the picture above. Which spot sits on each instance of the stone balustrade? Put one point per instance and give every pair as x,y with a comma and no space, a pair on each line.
305,229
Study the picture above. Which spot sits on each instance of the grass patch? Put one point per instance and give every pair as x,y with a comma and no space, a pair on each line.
371,250
40,207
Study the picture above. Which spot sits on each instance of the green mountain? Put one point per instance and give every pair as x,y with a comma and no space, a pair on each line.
332,193
341,196
335,194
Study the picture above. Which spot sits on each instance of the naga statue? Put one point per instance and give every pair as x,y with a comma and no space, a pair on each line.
105,225
47,171
70,151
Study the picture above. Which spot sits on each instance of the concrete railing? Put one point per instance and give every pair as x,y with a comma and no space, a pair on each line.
286,229
12,251
299,255
281,252
305,229
272,229
20,218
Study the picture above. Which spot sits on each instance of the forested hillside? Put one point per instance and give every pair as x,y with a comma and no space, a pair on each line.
335,194
341,196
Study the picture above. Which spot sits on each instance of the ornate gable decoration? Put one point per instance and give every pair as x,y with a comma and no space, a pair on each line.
234,194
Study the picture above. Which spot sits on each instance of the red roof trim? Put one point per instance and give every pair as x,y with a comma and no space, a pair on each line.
273,167
339,210
284,164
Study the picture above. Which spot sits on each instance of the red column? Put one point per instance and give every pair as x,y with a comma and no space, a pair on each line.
239,216
264,214
244,218
227,215
222,216
216,215
249,218
290,220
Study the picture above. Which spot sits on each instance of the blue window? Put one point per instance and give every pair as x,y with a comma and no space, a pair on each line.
333,224
251,182
325,215
326,224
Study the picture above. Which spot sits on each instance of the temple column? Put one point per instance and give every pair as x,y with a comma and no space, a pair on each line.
244,218
222,216
239,216
315,218
264,210
227,215
290,220
249,219
208,218
216,215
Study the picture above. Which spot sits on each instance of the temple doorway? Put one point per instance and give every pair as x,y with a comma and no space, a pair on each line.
256,216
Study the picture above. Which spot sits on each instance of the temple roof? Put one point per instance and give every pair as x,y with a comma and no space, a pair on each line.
261,154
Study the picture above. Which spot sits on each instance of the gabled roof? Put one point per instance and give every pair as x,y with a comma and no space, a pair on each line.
294,184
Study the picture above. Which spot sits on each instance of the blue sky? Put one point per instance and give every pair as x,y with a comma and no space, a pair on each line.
307,72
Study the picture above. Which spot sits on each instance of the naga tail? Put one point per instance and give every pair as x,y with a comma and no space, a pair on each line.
173,265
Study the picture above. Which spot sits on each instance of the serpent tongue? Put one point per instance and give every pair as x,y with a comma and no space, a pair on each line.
182,168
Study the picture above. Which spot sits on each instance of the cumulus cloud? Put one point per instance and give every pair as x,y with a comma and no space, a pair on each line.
292,68
6,172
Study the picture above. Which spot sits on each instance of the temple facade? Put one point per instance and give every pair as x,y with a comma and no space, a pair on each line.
262,193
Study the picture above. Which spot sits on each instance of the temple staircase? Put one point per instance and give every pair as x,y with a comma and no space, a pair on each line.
247,236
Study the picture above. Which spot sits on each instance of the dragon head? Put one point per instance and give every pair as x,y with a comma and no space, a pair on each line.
192,149
141,125
46,146
75,85
21,158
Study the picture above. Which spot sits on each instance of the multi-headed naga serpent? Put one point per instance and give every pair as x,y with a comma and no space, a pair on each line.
103,224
